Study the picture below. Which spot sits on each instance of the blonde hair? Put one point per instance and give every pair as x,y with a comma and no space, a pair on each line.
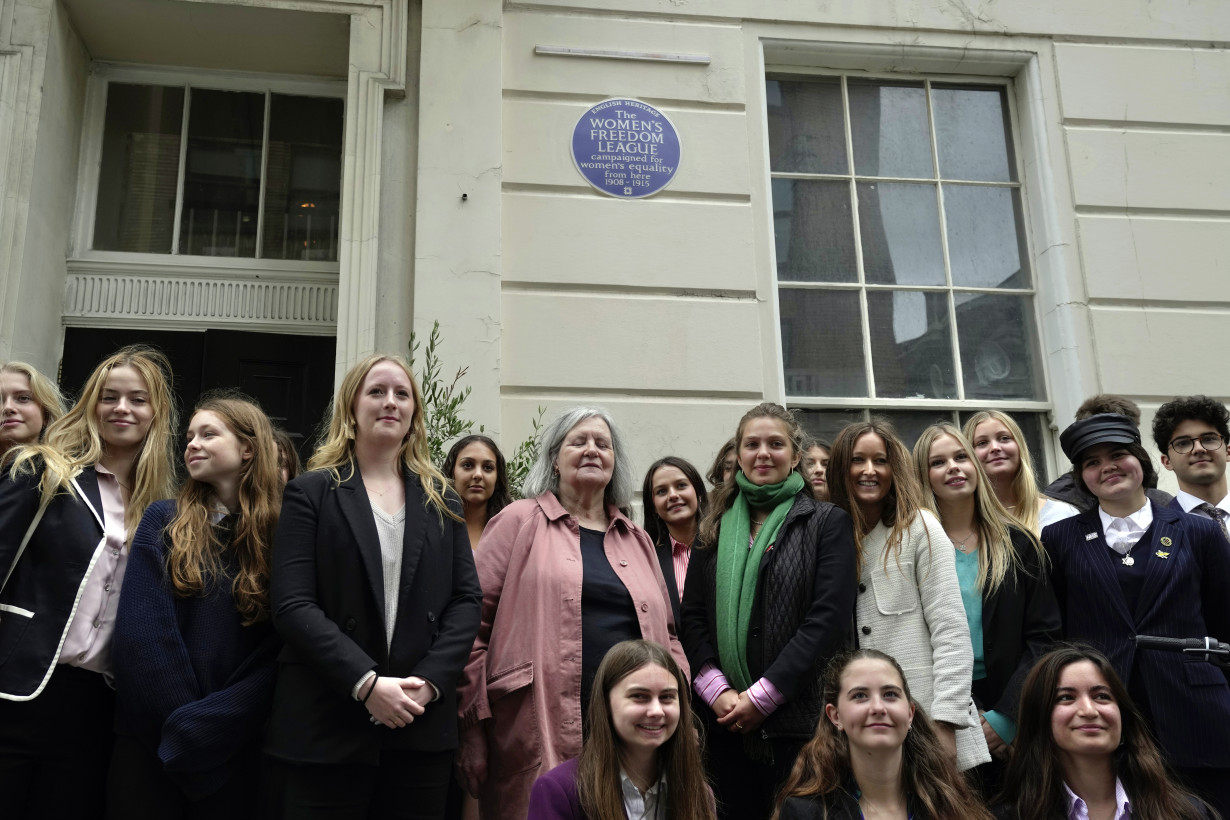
73,441
195,555
997,557
1025,483
336,449
45,392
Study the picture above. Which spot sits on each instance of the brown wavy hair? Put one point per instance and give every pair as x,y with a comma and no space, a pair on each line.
929,777
195,557
997,559
659,533
719,463
904,498
336,448
1034,781
687,793
724,494
73,441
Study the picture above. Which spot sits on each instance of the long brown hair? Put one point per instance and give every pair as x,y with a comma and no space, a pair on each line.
73,441
904,498
997,558
195,557
336,449
1034,781
724,494
658,532
687,793
928,775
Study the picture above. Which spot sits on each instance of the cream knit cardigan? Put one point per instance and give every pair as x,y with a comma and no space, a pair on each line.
914,613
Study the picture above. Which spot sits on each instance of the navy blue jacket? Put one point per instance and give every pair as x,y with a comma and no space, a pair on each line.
193,684
39,600
1185,595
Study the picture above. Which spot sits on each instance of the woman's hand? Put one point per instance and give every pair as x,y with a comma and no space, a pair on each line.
947,734
725,702
995,744
390,705
472,758
744,718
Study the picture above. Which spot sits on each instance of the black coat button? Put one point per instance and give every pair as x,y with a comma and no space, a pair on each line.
862,587
866,630
756,632
351,623
431,616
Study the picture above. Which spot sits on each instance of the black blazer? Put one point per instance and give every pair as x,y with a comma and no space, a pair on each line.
37,604
1020,621
327,597
666,560
1184,596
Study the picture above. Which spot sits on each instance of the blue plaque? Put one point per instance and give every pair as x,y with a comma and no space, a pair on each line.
626,148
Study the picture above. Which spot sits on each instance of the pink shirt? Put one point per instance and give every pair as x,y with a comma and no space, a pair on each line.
88,642
524,673
680,555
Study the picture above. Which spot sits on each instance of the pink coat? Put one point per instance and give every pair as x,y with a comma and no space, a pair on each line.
522,683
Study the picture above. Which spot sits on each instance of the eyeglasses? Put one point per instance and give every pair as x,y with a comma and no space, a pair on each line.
1209,441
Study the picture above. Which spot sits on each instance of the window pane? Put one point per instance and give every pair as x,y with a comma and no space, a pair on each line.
911,345
139,170
985,237
971,129
888,124
807,133
900,228
814,231
826,424
222,173
822,343
999,349
911,423
1032,425
303,178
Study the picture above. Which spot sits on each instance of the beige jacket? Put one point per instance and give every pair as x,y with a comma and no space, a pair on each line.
912,610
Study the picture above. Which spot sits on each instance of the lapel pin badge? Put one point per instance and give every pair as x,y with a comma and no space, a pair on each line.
1165,541
1161,554
1091,536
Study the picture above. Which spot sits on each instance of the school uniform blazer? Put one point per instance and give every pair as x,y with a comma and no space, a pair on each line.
327,597
1020,621
1184,595
41,596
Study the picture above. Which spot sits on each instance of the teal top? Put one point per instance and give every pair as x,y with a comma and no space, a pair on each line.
971,596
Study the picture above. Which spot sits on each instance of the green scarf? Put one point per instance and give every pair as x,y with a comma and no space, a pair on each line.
738,567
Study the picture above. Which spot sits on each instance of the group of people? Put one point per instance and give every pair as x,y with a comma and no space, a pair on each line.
844,629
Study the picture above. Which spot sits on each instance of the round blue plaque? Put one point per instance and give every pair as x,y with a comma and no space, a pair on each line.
626,148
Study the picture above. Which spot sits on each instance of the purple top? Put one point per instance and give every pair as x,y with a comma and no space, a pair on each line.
555,796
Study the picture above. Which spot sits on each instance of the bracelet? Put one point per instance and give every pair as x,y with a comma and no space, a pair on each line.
371,689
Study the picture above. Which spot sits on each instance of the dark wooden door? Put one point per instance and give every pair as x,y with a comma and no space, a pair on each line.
291,376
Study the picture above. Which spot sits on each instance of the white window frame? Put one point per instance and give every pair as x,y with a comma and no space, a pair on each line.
1064,339
101,75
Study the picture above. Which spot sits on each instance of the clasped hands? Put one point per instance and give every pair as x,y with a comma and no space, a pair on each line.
396,702
736,712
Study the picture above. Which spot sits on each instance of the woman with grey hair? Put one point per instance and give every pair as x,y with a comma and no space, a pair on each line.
565,576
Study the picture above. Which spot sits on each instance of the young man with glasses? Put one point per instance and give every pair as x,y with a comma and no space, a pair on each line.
1193,435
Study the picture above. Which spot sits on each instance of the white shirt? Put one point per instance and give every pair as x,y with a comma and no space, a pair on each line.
1123,533
1077,810
1189,503
647,806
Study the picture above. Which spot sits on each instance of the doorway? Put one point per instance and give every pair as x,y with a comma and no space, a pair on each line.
291,376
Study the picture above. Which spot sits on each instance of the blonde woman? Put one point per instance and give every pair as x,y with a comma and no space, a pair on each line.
29,403
194,650
1000,446
375,594
1009,604
68,510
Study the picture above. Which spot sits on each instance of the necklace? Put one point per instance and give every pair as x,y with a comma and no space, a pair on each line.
959,543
